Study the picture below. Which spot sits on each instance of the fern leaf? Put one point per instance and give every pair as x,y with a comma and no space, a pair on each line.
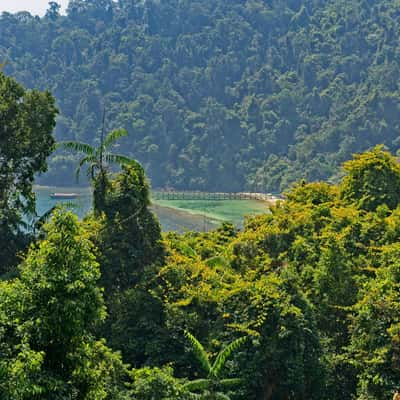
199,352
3,370
224,354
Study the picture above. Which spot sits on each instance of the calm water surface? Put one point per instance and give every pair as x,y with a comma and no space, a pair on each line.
176,215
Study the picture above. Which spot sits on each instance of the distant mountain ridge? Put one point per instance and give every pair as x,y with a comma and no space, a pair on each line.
216,94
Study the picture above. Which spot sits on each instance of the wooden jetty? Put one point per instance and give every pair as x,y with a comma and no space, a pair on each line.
212,196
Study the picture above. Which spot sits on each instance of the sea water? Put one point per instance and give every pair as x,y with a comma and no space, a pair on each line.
174,215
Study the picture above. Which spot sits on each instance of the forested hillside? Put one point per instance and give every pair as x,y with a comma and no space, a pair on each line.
218,94
302,304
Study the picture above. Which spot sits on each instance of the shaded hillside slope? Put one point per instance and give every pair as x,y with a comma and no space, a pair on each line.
226,95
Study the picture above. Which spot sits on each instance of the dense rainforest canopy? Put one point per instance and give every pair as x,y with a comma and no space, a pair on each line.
302,304
217,94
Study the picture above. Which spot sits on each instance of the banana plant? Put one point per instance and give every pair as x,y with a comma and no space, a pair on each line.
212,387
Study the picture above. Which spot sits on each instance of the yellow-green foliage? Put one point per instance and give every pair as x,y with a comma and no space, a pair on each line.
314,286
372,179
241,292
308,275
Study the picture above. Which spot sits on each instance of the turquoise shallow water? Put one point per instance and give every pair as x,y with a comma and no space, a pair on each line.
174,215
222,210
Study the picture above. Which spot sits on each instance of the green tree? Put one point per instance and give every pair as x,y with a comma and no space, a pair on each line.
49,318
156,383
130,234
27,122
53,11
131,252
373,179
312,193
375,328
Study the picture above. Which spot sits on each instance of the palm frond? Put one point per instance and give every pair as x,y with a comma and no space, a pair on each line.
199,352
119,159
113,136
197,384
84,160
231,382
224,354
77,146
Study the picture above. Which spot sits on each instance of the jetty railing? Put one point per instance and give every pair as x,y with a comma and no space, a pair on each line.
212,196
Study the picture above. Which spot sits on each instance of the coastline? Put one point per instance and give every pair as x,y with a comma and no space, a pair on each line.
86,190
181,215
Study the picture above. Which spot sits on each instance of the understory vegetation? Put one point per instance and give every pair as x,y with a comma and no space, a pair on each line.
217,95
302,304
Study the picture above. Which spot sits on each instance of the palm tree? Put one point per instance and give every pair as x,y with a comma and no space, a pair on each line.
212,385
99,157
98,160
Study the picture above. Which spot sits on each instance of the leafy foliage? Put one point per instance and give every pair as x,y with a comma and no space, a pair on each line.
129,233
156,383
48,318
375,329
128,237
372,179
27,121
